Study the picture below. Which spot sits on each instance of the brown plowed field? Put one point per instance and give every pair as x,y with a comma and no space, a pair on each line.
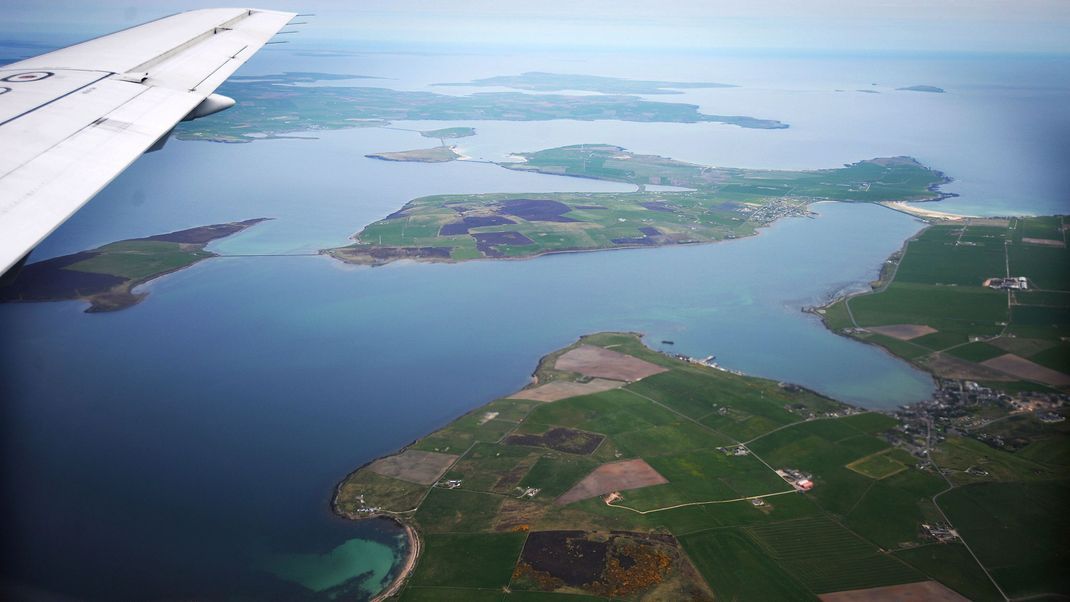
564,389
615,476
604,363
927,591
903,332
414,466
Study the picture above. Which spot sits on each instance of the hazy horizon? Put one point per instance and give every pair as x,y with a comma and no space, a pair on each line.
822,26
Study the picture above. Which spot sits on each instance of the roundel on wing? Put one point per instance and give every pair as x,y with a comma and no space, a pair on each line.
28,76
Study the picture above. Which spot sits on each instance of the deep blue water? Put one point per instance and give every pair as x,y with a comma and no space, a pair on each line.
189,446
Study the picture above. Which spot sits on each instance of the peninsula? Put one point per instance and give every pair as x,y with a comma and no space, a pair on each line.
978,299
703,204
930,89
438,154
273,106
106,276
623,472
539,81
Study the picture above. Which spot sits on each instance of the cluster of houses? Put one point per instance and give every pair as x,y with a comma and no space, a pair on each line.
738,450
797,478
1019,283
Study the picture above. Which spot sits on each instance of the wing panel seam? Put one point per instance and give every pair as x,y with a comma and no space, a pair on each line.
45,104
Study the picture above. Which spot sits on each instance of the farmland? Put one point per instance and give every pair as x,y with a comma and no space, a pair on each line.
711,204
938,313
661,487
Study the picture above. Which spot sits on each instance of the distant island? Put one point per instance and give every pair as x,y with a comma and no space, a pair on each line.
106,276
438,154
539,81
712,204
623,472
449,133
932,89
273,106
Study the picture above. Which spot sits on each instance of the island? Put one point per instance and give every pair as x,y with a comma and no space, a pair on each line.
273,106
438,154
623,472
106,276
931,89
449,133
703,204
539,81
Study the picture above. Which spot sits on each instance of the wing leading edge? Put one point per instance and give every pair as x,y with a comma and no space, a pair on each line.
74,119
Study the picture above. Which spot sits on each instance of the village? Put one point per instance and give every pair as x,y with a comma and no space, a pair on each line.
964,408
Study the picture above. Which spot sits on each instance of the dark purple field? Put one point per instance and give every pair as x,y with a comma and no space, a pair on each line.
659,206
537,210
48,281
204,234
476,221
486,242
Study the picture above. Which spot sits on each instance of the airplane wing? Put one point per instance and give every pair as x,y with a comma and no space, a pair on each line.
74,119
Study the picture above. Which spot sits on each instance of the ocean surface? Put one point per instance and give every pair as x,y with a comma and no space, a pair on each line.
189,446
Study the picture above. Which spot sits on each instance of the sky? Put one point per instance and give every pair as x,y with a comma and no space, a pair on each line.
968,26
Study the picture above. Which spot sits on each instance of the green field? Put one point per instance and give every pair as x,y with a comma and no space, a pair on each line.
827,557
939,283
952,565
878,466
720,203
478,560
1018,530
738,569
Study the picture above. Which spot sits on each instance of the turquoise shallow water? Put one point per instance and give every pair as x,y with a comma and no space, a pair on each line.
188,447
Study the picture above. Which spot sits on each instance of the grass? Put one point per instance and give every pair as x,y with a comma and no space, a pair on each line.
826,557
701,476
891,511
391,494
976,352
457,510
1019,531
138,259
737,569
960,453
823,448
554,475
878,466
952,565
477,560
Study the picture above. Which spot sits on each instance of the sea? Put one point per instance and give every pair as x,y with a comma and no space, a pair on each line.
188,447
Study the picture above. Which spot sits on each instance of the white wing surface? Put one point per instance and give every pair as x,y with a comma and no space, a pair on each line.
73,119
